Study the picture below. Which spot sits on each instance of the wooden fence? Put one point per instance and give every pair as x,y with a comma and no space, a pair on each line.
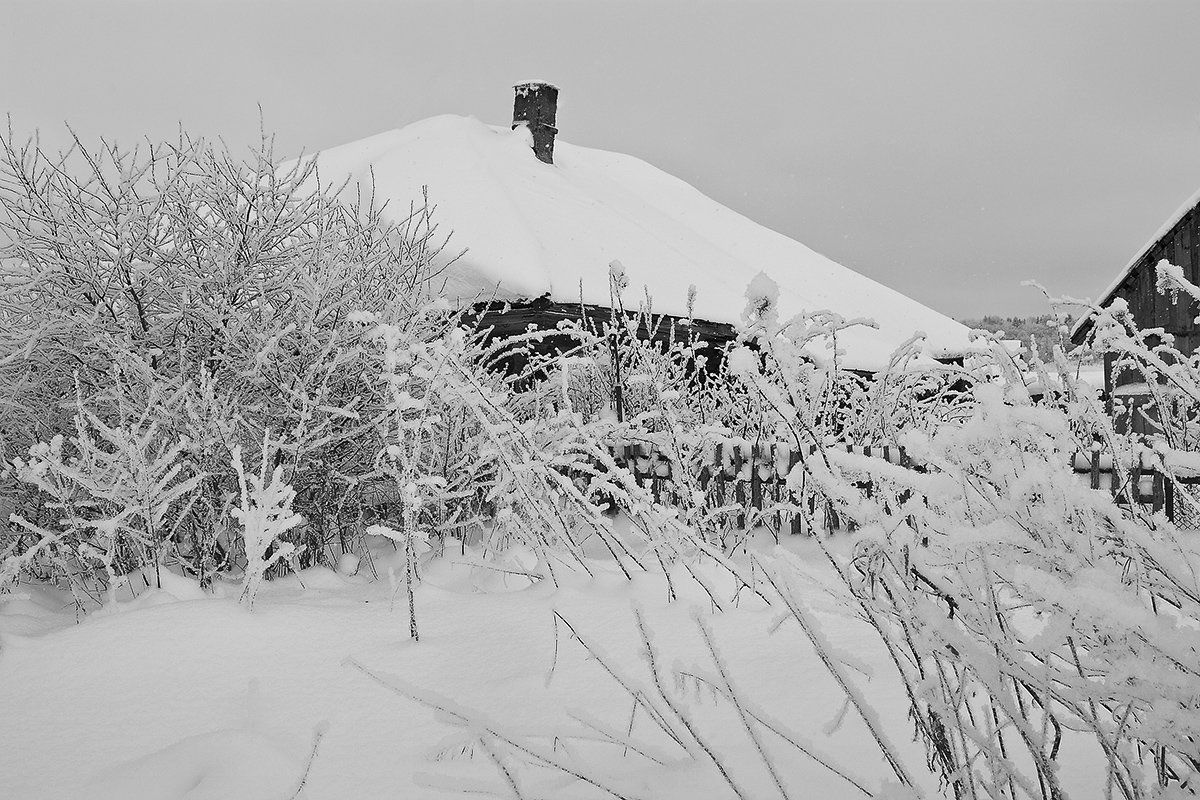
742,476
1150,487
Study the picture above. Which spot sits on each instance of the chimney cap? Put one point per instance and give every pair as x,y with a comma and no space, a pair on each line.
524,84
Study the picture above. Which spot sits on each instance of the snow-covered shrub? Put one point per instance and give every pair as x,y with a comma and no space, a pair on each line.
111,495
1025,611
641,382
210,421
793,371
220,285
265,514
526,465
1022,606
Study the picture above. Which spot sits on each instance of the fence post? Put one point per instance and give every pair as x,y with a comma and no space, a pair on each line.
719,476
756,499
1136,476
797,497
1169,492
739,486
774,489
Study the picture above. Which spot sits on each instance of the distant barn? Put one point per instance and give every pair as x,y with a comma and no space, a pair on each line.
1177,241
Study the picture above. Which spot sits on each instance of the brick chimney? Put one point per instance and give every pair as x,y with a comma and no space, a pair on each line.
535,106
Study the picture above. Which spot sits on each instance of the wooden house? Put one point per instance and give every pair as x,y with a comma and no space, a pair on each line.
542,220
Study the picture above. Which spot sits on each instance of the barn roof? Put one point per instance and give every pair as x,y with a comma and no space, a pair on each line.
533,229
1081,324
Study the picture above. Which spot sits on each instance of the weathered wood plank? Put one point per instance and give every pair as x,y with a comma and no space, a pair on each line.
1155,307
1193,226
1185,255
1180,303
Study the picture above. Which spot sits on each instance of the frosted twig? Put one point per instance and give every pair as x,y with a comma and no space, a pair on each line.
820,646
318,733
719,663
639,697
679,713
474,722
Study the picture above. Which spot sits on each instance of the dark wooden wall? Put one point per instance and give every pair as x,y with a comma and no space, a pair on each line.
505,319
1153,309
508,319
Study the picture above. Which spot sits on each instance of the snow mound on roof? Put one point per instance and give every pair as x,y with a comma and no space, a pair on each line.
534,229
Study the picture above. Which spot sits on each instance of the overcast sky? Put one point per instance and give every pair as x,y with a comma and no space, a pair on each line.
950,150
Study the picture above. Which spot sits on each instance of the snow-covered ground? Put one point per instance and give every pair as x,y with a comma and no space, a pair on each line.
184,694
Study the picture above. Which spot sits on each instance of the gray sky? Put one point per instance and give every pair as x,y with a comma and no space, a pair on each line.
947,149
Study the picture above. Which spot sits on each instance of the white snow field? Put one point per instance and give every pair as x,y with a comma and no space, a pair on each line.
532,229
184,694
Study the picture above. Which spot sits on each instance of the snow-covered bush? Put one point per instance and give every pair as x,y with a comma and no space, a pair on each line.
1021,606
111,495
542,472
265,514
1025,611
219,286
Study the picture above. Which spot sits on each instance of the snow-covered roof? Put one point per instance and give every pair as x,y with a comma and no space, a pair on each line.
533,229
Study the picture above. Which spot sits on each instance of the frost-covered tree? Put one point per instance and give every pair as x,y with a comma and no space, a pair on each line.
220,287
